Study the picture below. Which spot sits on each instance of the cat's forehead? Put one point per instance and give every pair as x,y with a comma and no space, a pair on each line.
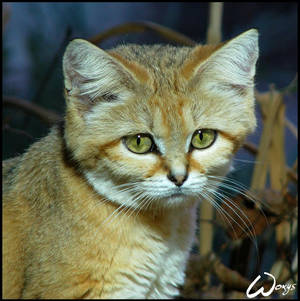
154,57
168,115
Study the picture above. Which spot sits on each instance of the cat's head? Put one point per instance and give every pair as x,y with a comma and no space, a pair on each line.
156,123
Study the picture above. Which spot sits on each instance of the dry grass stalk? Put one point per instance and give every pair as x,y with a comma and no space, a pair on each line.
271,154
214,32
277,155
260,170
207,211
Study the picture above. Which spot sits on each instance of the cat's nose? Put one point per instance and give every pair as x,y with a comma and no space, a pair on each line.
178,180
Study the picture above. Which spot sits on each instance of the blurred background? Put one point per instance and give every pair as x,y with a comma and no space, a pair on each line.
36,34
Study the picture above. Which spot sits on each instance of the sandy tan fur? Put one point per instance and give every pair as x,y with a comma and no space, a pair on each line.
70,227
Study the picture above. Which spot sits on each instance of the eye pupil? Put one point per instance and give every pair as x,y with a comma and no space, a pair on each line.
138,140
200,135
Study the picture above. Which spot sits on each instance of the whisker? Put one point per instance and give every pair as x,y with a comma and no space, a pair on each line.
136,209
145,201
228,185
219,209
237,184
120,209
219,196
250,234
230,180
247,161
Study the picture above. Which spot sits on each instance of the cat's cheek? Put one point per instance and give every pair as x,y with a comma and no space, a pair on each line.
218,156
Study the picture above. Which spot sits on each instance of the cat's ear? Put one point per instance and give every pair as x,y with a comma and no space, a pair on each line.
231,64
91,73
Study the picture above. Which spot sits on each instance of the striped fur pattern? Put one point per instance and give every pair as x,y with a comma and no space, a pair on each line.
85,217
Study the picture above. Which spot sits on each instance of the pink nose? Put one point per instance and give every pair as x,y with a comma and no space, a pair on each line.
178,180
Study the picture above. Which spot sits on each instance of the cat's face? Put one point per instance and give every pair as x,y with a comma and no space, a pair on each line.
156,124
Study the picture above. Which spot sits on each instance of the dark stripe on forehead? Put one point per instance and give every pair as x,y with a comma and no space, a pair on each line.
159,108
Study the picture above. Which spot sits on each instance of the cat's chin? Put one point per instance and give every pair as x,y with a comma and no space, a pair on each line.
176,199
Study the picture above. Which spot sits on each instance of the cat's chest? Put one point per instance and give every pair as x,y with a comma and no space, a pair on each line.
152,262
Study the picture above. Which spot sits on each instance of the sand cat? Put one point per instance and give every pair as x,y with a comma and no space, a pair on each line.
104,206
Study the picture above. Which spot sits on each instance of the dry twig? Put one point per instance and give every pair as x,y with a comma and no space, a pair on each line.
46,116
165,32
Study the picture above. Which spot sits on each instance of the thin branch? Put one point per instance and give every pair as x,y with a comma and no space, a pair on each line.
295,165
163,31
250,147
292,87
292,175
45,115
291,127
8,128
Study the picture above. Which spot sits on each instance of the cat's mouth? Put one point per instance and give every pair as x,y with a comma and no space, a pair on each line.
174,197
177,192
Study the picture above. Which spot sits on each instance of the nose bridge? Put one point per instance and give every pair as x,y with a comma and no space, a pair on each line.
176,161
174,142
177,164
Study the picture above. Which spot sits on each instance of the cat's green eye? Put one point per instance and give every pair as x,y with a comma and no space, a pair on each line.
203,138
139,143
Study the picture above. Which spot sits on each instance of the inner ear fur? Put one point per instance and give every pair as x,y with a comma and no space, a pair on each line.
232,62
92,72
